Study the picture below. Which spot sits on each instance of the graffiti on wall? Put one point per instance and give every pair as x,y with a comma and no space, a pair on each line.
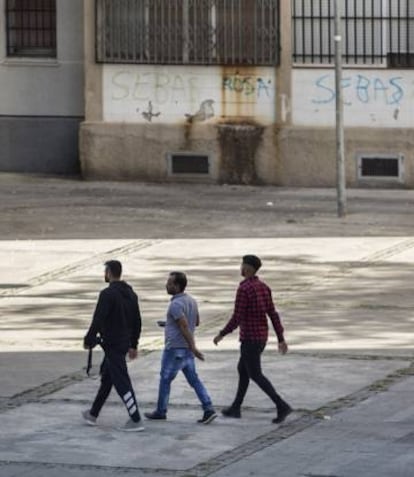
160,87
148,115
248,85
360,88
372,97
197,94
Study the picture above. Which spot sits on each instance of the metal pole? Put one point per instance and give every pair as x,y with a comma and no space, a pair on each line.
340,149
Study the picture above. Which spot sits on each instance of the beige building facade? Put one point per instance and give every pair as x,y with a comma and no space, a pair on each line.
249,116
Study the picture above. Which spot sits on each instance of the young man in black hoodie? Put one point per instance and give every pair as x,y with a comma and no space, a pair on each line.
117,321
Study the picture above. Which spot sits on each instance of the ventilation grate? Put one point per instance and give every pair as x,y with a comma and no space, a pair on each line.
385,167
189,164
379,167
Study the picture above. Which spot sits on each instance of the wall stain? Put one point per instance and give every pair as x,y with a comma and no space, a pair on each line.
239,142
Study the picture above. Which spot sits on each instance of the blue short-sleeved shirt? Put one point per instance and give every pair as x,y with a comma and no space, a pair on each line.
181,305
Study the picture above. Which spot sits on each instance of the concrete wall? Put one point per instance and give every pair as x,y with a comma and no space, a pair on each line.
308,155
42,100
374,98
151,111
181,94
257,125
148,112
378,116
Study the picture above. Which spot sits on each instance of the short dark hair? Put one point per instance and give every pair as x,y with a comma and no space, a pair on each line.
115,267
180,279
252,260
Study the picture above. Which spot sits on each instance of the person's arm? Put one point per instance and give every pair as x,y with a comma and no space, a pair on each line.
101,310
277,324
239,310
136,327
188,336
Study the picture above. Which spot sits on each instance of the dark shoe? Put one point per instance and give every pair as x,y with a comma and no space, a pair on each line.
282,414
208,417
231,412
155,416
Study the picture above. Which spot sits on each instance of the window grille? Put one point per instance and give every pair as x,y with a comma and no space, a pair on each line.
31,28
225,32
374,32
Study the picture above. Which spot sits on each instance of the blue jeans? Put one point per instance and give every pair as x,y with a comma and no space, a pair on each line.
173,361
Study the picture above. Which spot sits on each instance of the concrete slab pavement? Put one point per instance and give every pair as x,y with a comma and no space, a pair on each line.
373,439
347,308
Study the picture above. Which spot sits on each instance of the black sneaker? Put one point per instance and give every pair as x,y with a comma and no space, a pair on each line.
231,412
208,417
155,416
282,414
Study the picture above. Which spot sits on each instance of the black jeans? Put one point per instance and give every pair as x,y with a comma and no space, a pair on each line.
250,367
114,372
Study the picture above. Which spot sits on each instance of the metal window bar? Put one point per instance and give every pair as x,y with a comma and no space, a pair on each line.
222,32
31,28
376,32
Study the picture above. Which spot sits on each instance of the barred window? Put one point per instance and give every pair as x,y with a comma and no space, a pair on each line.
374,32
31,28
188,31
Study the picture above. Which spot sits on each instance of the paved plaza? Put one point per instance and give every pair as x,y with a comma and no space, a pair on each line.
343,288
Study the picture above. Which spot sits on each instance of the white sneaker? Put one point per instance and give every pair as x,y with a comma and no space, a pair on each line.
88,418
132,426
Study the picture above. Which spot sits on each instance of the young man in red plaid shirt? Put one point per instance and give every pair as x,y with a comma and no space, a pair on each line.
252,306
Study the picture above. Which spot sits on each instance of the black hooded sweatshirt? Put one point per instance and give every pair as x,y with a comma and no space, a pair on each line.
117,318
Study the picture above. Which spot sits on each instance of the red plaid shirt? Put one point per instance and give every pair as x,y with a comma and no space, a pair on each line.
253,303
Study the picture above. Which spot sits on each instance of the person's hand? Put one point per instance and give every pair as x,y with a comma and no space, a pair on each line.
86,345
198,354
132,353
217,339
283,347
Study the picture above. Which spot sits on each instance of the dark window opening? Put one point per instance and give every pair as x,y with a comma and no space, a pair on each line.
374,32
31,28
225,32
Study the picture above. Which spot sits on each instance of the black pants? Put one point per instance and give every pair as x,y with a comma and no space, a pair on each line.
114,372
250,367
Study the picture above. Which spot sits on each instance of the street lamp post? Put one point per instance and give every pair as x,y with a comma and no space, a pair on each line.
340,154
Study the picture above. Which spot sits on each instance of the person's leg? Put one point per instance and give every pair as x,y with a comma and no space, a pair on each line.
251,353
193,380
172,362
103,391
120,378
243,382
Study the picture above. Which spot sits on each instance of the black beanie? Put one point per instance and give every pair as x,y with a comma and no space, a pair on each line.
253,261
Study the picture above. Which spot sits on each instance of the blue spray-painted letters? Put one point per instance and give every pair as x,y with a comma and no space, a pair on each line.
360,88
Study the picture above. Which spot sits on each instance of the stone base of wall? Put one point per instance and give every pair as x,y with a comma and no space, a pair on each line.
243,153
308,155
